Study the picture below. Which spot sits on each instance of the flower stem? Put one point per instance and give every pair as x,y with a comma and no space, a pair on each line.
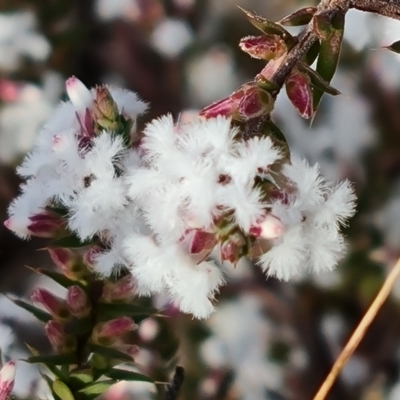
359,332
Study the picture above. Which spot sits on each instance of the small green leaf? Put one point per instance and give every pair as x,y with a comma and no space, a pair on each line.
72,242
312,53
97,388
300,17
126,310
61,279
395,47
124,375
329,56
56,359
109,352
317,80
80,378
62,390
268,27
59,210
266,84
39,314
322,26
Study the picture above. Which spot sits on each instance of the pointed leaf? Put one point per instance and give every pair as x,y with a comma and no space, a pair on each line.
109,352
79,379
268,27
62,390
329,56
312,53
61,279
57,359
97,388
300,17
395,47
317,80
124,375
72,242
126,310
266,84
322,26
38,313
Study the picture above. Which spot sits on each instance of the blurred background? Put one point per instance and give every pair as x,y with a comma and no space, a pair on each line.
268,340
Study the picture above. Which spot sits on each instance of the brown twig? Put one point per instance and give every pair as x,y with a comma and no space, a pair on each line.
359,333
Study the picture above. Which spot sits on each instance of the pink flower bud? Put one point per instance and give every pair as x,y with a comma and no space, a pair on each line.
265,47
59,340
255,102
298,89
121,290
80,96
269,227
69,262
53,304
89,257
78,302
108,332
234,248
7,376
225,107
198,243
44,224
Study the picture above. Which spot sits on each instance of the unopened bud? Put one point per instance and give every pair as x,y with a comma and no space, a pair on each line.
269,227
198,243
78,302
59,340
234,248
105,110
265,47
7,376
108,332
89,257
225,107
255,102
53,304
70,263
79,94
298,89
121,290
44,224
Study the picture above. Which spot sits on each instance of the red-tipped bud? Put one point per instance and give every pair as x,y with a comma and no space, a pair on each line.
269,227
70,263
79,94
89,257
234,248
78,302
53,304
265,47
225,107
108,332
255,102
198,243
121,290
44,224
59,340
298,89
7,376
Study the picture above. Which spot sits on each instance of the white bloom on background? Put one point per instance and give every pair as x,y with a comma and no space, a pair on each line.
18,39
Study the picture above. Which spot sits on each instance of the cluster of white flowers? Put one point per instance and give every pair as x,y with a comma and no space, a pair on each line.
160,205
19,39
